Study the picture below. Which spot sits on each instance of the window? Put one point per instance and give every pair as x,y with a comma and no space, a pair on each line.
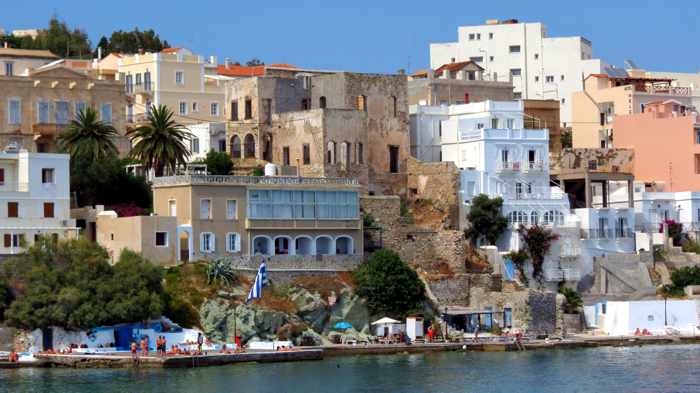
518,190
161,239
531,155
234,110
697,136
697,163
195,107
494,123
214,109
47,175
510,124
285,155
534,218
504,156
330,153
183,108
179,78
138,79
472,36
106,112
80,107
172,208
305,104
563,101
194,145
394,106
394,159
2,176
477,59
9,68
205,209
222,144
478,36
361,103
129,82
302,204
537,78
233,242
515,72
491,59
42,112
130,113
561,78
147,80
517,95
490,36
15,110
206,242
479,126
306,152
549,79
514,49
231,209
61,112
12,209
235,147
48,210
13,240
537,56
248,108
360,153
322,102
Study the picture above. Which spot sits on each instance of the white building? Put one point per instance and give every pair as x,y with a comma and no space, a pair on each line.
34,198
659,317
539,67
206,137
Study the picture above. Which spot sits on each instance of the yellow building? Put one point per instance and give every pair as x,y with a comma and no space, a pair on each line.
176,78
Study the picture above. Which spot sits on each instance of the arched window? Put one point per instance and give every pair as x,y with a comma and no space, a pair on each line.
330,153
344,157
534,218
558,218
282,245
322,102
343,245
235,147
362,103
249,146
323,245
511,218
394,106
522,218
262,245
548,218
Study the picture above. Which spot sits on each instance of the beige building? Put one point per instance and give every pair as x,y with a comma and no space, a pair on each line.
604,97
36,108
19,62
200,216
324,125
176,78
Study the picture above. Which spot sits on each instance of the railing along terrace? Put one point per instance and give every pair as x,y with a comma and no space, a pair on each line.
608,233
270,180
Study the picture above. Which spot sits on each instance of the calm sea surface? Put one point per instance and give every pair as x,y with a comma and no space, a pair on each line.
618,370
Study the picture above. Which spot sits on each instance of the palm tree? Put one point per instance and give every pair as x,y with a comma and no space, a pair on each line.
88,137
160,143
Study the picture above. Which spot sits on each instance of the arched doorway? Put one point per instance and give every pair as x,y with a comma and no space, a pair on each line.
267,148
343,245
249,146
283,245
324,245
262,245
303,245
236,147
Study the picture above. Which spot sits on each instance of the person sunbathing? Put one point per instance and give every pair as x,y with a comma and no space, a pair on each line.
637,332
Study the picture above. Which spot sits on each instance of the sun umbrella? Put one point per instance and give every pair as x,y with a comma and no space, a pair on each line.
342,326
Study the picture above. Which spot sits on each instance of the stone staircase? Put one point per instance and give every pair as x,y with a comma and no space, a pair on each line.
622,274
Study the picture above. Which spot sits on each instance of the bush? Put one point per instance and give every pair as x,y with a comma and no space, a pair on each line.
390,286
485,219
519,258
681,278
221,270
218,163
538,241
368,220
105,182
71,284
675,231
573,302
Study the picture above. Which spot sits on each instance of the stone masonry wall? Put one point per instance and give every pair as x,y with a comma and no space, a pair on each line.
434,193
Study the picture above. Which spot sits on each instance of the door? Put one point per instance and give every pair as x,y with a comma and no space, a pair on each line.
47,338
394,159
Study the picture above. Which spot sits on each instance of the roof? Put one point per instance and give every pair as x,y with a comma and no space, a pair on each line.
452,67
39,54
239,70
170,50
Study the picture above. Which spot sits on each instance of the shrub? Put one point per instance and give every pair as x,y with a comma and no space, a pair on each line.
390,286
368,220
538,241
218,163
675,231
221,270
485,219
573,302
681,278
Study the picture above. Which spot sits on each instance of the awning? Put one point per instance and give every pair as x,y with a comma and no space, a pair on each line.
384,320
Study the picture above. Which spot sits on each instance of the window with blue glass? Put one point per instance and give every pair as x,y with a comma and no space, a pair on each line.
303,204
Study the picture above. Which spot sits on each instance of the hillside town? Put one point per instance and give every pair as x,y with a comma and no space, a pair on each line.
520,191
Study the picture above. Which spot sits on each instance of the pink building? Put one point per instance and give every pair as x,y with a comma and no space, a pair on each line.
666,143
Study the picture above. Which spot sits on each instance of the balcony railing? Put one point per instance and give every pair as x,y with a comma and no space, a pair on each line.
508,166
608,233
252,180
534,166
141,88
562,274
671,90
48,130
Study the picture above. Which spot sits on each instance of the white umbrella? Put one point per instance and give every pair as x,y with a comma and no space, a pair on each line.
384,320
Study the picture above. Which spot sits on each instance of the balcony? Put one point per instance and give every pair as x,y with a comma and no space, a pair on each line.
534,166
141,88
252,180
607,233
670,90
47,130
562,274
508,166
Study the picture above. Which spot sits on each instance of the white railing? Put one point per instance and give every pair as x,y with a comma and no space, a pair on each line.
508,166
562,274
534,166
272,180
672,90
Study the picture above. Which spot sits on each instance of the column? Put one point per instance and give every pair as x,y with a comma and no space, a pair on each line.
630,192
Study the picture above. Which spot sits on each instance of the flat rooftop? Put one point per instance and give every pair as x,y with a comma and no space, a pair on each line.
252,180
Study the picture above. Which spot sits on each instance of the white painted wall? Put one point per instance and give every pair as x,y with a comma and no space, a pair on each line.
539,56
623,318
208,136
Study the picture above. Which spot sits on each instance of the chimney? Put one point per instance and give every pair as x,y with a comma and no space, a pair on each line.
227,62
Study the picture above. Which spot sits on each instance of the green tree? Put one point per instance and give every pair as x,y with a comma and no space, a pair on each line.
390,286
89,137
565,139
218,163
537,240
138,284
132,41
573,302
161,142
106,182
62,41
485,219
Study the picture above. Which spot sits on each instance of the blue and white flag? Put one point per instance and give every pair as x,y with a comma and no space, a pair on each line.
260,281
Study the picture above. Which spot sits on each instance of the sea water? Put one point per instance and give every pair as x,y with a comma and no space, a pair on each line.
674,368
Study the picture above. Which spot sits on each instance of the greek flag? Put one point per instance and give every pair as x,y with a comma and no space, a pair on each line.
260,280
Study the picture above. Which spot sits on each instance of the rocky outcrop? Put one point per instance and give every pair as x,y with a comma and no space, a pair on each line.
221,321
352,309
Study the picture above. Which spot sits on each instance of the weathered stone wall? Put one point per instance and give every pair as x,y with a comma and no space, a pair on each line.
543,312
298,262
434,193
594,160
451,290
452,91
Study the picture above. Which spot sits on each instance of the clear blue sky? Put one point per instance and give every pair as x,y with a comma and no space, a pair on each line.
378,35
